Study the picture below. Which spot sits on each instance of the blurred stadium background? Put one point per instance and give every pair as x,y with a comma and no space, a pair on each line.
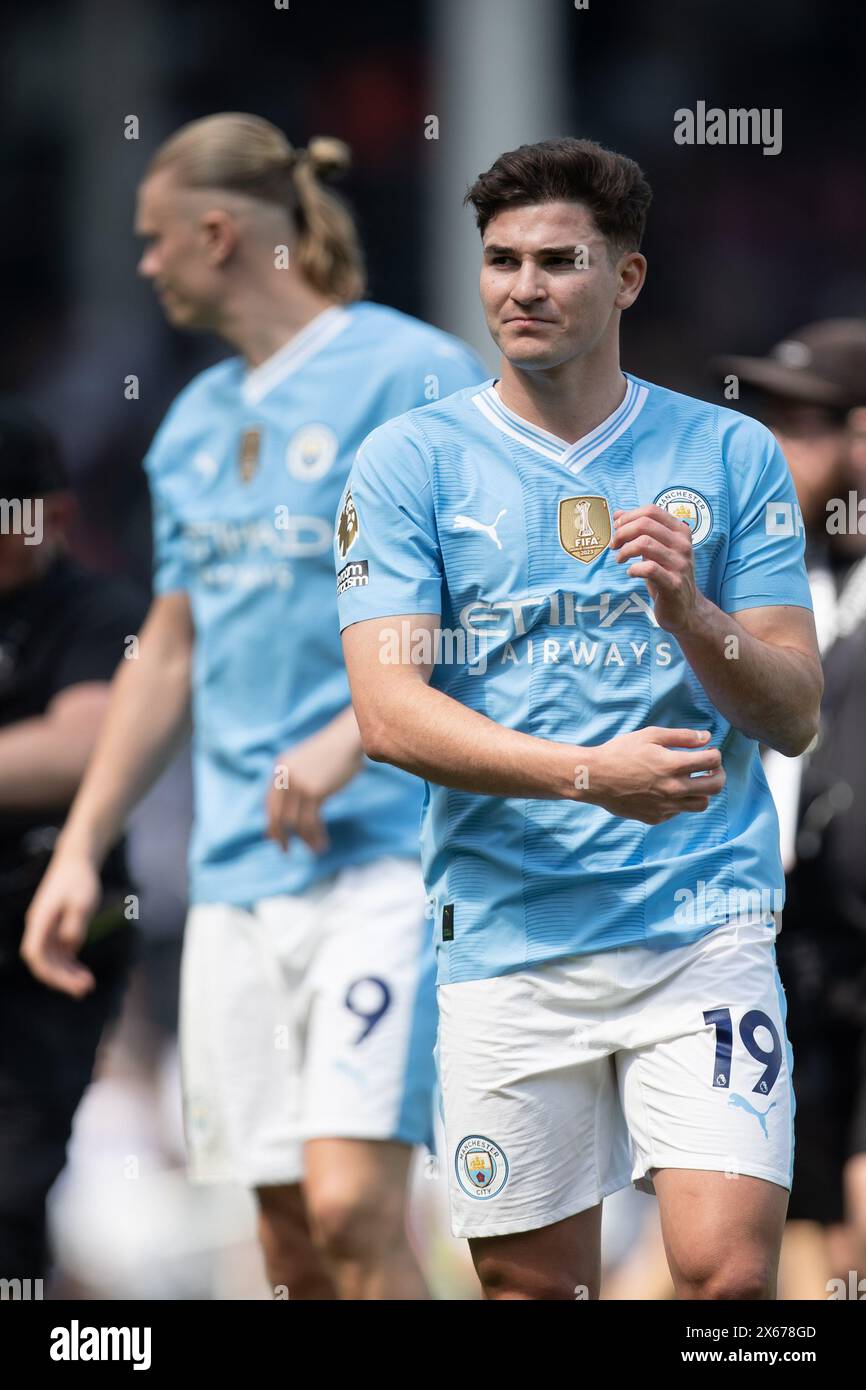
742,247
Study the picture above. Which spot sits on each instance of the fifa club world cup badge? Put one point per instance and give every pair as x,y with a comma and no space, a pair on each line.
348,527
584,527
248,457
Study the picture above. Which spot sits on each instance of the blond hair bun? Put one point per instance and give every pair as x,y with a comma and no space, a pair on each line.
328,156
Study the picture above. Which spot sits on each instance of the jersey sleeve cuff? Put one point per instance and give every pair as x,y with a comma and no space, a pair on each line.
788,598
423,599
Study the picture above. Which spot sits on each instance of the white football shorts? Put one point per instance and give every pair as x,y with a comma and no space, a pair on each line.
305,1017
564,1083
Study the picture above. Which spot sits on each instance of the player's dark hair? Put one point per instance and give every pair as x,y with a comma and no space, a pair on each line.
611,185
246,154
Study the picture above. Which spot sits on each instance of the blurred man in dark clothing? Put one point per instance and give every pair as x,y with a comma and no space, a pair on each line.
811,391
62,633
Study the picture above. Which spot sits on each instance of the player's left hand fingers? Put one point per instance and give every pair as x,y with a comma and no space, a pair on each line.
679,537
650,512
284,815
667,581
309,825
652,549
272,809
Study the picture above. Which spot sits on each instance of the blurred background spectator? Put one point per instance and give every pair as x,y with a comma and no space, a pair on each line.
811,391
63,631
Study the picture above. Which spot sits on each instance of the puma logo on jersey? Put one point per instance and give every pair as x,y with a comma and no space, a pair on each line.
468,523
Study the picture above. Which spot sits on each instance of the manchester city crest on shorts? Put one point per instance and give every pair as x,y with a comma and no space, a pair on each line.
482,1168
584,526
688,506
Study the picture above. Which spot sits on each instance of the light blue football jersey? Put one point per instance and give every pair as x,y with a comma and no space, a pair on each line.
466,510
245,474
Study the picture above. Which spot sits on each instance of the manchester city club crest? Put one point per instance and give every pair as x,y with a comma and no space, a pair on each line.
688,506
311,453
248,457
584,527
482,1168
348,527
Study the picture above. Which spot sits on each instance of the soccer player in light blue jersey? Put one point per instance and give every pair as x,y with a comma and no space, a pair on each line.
575,602
308,998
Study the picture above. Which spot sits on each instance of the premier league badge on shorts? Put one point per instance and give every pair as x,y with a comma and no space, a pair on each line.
690,507
584,526
248,458
482,1168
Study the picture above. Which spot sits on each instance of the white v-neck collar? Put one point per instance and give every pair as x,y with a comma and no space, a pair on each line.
297,351
573,456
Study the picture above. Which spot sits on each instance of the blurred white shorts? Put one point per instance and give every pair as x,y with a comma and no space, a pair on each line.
307,1017
563,1083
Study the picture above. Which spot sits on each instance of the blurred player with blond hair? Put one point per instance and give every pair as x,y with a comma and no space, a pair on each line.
307,1007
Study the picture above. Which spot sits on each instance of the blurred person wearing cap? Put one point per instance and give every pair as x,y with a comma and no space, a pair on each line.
62,632
811,391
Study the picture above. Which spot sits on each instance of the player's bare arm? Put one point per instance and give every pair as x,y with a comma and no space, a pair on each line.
644,775
42,759
306,775
760,667
147,717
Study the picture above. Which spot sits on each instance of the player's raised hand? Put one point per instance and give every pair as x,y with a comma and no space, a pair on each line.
56,925
661,547
647,775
